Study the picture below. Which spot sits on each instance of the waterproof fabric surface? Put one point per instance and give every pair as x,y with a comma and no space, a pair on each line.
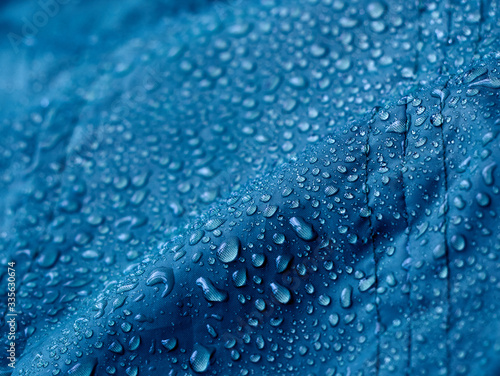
251,187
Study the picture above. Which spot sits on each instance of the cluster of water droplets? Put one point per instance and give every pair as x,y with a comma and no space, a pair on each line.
147,247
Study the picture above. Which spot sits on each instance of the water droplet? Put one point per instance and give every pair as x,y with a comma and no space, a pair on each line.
318,50
490,82
126,327
458,242
200,358
258,259
240,277
376,9
196,237
91,255
397,126
269,211
116,347
330,191
260,304
483,199
343,64
251,209
86,368
324,300
437,119
346,297
475,73
235,355
487,173
213,224
439,251
278,238
132,371
134,343
228,250
163,275
281,293
333,319
282,262
170,344
298,82
303,229
442,94
48,257
211,293
366,283
240,30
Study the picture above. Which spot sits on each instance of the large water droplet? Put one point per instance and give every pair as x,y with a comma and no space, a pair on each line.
376,9
366,283
346,297
318,50
240,277
303,229
282,262
196,237
211,293
163,275
258,260
439,251
170,344
483,199
86,368
134,343
487,173
324,300
269,211
200,358
458,242
279,238
116,347
228,250
281,293
333,319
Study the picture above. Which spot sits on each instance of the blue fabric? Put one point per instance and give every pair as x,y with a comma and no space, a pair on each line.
262,187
